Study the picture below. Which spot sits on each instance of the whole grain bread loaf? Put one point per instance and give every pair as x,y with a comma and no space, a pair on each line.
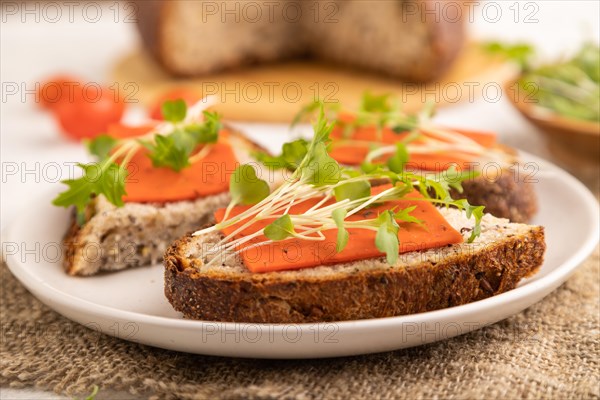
115,238
421,281
409,39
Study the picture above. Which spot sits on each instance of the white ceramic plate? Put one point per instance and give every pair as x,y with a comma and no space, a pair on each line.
131,304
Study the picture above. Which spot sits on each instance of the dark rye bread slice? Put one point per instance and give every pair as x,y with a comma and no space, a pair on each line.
410,39
115,238
421,281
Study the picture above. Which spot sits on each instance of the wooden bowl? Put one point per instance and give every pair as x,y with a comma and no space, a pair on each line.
568,138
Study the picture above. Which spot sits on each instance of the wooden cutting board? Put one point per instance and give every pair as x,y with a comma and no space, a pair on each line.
275,92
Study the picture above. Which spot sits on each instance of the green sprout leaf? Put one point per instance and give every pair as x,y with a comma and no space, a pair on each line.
101,146
112,184
454,178
280,229
172,151
322,129
78,194
208,131
386,239
290,158
472,211
246,188
352,190
408,124
306,111
321,169
174,110
397,162
343,236
106,179
404,216
371,103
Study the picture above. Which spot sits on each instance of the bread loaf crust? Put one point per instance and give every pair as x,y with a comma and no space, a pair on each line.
428,286
421,53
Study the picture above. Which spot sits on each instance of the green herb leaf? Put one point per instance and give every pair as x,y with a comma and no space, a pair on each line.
454,178
245,187
101,146
343,236
408,124
280,229
172,151
397,162
207,132
322,129
376,103
306,111
112,184
472,211
386,238
79,193
174,110
106,179
290,158
352,190
321,169
404,216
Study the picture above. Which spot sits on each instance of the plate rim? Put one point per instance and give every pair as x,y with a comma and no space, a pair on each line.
552,280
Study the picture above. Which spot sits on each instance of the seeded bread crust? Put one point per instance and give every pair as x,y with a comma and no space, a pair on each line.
137,234
421,281
408,39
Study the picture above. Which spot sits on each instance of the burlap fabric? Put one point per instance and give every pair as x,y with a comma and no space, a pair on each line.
549,351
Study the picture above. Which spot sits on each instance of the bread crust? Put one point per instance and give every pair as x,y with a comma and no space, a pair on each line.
428,286
440,40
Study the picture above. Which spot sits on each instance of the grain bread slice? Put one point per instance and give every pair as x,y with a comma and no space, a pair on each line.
409,39
115,238
421,281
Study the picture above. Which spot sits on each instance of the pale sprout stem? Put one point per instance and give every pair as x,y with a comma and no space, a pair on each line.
371,201
319,204
201,154
131,152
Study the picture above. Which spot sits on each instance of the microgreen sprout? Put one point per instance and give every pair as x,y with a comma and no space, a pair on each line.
336,194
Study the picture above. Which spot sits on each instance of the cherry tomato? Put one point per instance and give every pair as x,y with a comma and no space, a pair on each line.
188,95
90,113
57,89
